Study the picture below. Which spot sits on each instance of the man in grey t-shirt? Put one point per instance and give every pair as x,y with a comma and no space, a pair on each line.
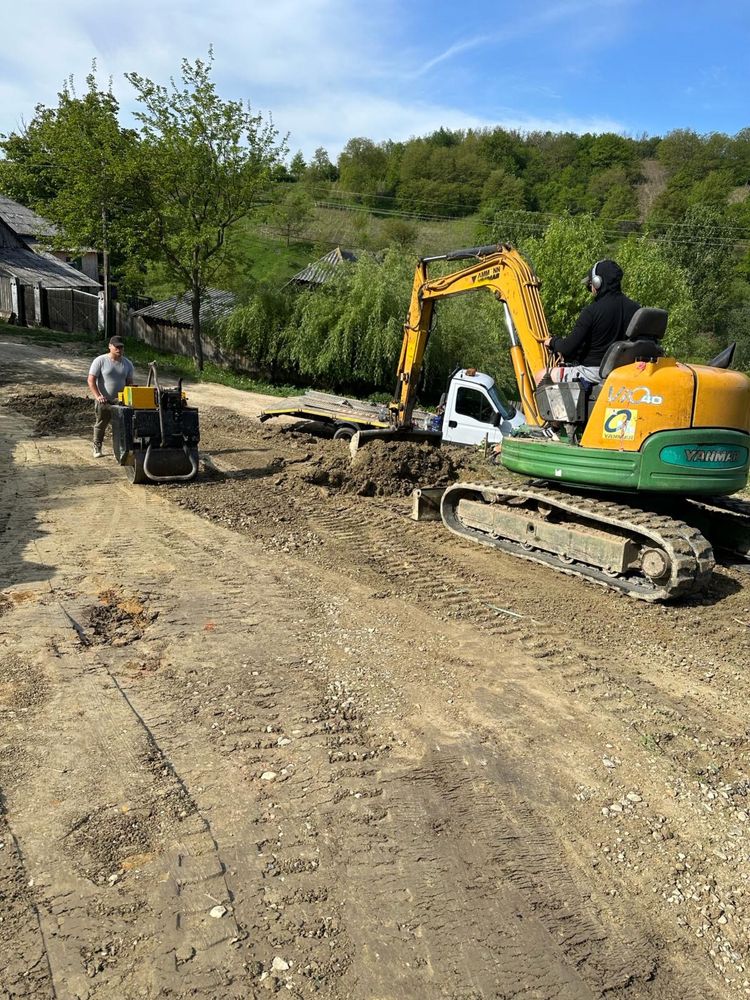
108,375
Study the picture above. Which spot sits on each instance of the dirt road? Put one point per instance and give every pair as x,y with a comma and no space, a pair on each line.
264,733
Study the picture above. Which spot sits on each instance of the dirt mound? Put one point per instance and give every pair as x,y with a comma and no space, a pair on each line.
383,468
54,413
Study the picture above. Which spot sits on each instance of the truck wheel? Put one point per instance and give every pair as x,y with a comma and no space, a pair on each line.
344,432
134,470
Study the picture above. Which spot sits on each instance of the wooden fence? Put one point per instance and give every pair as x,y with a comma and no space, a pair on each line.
176,339
69,309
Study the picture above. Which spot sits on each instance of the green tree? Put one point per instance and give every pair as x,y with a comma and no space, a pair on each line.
399,233
292,214
298,166
703,243
363,167
78,167
257,329
652,279
205,164
561,257
502,191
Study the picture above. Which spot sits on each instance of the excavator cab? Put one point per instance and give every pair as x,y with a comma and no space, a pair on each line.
569,404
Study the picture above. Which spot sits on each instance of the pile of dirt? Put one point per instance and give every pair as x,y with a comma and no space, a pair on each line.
54,413
383,468
118,619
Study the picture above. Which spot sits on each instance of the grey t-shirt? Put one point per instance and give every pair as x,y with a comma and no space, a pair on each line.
111,376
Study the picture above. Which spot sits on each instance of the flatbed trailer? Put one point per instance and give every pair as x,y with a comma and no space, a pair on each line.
345,414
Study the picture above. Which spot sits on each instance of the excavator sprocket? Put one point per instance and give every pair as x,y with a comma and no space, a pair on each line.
643,554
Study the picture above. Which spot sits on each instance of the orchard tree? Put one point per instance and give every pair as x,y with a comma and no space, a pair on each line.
292,214
297,167
205,164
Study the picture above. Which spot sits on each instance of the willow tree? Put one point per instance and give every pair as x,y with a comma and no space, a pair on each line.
205,164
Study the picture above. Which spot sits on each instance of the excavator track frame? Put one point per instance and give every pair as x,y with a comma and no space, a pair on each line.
680,557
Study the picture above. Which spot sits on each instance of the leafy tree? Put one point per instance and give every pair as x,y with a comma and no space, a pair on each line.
363,166
561,258
399,233
204,165
298,166
703,244
348,333
77,166
502,192
292,214
320,170
257,329
652,279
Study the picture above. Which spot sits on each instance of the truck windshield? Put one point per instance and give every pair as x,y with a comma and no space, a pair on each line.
501,404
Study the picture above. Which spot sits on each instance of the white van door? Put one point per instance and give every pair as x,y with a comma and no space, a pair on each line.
471,418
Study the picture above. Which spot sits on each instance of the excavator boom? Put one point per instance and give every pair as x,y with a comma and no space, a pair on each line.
500,270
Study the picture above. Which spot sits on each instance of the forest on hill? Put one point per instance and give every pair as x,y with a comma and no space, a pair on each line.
205,194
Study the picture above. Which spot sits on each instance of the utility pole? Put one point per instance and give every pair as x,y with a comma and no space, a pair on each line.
105,269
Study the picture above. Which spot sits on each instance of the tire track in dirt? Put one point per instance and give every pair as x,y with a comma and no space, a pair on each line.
128,825
400,868
440,585
380,559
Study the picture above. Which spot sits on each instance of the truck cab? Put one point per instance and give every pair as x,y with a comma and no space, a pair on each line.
476,409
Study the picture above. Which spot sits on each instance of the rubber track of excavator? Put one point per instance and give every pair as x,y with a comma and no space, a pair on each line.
690,554
725,521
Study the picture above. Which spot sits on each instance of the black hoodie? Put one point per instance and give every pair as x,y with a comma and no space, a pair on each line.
601,322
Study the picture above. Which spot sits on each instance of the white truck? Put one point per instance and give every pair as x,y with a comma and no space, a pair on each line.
472,410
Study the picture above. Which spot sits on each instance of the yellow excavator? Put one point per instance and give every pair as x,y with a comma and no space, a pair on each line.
628,477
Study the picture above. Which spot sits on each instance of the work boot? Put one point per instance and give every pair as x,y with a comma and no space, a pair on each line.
97,450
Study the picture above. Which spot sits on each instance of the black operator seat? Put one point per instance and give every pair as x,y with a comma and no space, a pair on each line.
641,343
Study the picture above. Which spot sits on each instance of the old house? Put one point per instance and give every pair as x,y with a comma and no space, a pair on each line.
168,325
320,271
37,288
37,233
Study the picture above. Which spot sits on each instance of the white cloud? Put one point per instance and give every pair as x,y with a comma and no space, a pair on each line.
327,70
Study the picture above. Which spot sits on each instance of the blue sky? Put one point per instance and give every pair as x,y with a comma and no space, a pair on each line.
328,70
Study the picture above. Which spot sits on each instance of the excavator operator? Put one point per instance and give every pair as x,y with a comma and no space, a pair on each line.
600,324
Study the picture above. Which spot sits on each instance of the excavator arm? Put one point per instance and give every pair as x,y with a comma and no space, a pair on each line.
502,271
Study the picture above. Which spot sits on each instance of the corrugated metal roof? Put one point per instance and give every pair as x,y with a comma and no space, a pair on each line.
42,268
179,310
23,221
321,270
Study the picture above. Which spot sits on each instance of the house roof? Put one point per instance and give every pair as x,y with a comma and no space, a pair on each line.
24,222
321,270
31,268
178,311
